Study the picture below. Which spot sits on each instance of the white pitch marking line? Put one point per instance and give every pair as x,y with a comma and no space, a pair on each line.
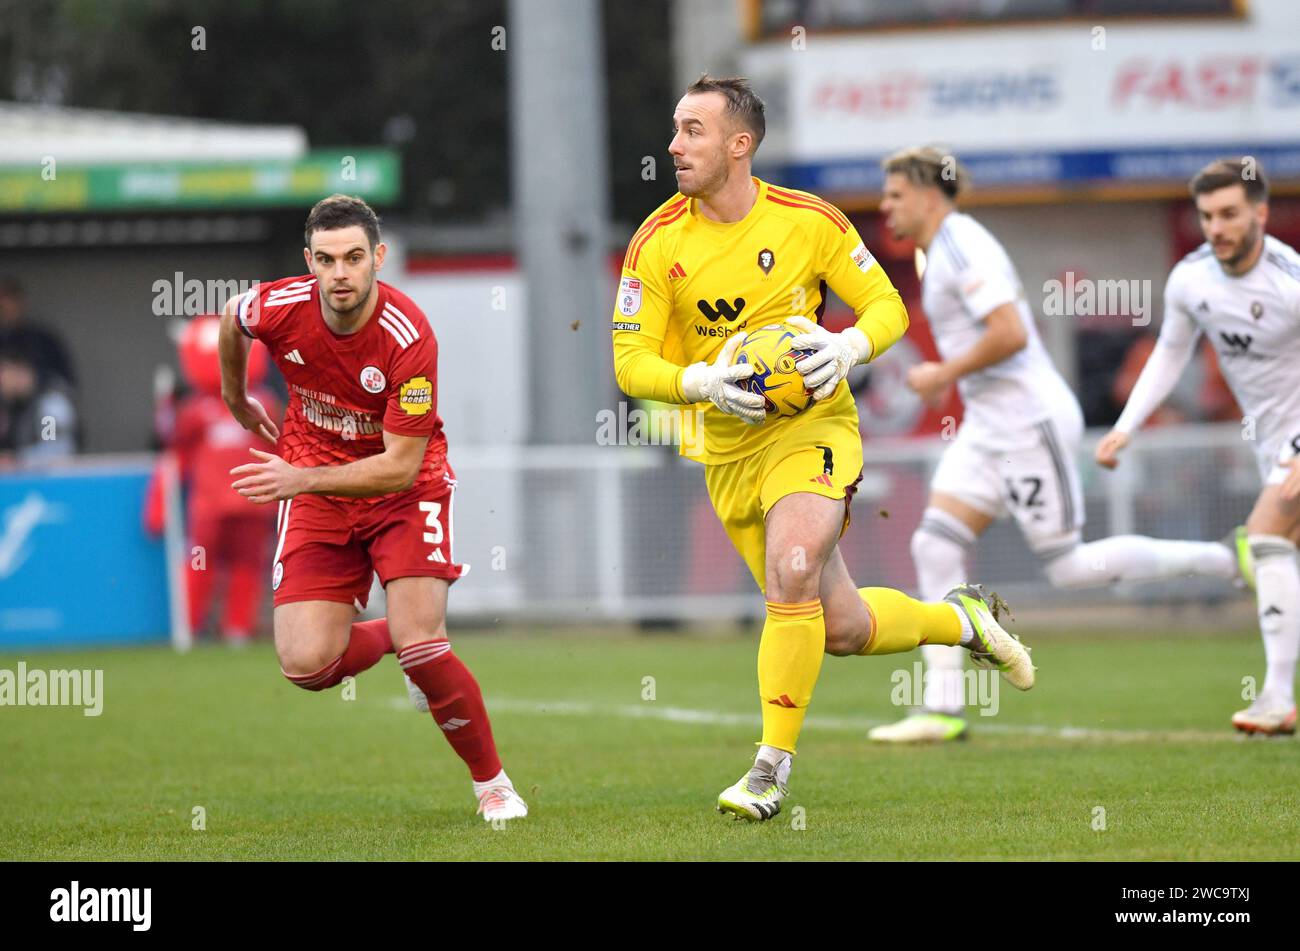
653,711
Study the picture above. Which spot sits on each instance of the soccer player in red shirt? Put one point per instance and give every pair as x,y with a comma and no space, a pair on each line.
361,475
230,533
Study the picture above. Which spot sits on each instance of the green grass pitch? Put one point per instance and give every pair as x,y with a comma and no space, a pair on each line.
1136,726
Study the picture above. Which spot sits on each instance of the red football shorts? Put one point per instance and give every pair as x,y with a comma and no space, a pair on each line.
327,548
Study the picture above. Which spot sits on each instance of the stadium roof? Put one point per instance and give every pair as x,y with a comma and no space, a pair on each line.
29,133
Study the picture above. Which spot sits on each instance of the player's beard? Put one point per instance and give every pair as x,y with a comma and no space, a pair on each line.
363,295
1244,249
714,183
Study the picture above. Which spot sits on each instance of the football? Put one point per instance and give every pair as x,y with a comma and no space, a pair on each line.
775,378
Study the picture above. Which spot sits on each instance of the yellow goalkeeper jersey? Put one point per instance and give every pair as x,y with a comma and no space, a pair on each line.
689,283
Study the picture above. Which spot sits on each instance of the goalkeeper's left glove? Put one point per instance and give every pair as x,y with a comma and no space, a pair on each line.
836,355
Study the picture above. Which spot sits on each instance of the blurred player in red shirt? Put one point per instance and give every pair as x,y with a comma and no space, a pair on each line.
361,475
228,537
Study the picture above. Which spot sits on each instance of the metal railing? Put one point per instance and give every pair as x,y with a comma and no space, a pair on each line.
592,533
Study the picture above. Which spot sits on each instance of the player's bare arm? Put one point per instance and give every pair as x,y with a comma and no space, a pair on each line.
1004,335
233,348
1291,486
393,470
1173,351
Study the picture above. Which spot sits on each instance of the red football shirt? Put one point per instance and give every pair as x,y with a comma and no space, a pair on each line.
210,443
346,389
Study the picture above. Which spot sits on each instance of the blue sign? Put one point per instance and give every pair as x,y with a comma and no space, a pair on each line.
76,566
1039,167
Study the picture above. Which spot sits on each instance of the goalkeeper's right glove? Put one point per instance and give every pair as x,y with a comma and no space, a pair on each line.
716,383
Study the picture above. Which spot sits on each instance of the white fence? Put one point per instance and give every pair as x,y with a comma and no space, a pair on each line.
593,533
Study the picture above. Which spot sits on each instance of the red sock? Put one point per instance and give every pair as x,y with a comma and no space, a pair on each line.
455,702
368,642
243,595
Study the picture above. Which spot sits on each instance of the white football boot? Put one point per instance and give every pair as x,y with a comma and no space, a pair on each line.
1266,717
993,647
497,800
923,727
759,793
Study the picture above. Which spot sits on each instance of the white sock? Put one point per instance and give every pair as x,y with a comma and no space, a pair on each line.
943,690
771,755
500,779
1277,590
1138,558
939,548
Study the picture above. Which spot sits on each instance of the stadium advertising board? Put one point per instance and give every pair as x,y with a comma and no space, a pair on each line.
76,566
374,173
1128,103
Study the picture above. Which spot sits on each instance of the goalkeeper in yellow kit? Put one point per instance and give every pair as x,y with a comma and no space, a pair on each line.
730,253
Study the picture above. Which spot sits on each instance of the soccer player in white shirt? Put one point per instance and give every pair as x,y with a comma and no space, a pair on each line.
1015,451
1242,290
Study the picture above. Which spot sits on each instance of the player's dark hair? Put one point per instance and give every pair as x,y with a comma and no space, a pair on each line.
342,211
743,103
1224,173
928,167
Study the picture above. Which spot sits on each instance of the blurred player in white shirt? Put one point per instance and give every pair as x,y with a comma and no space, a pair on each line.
1015,452
1242,290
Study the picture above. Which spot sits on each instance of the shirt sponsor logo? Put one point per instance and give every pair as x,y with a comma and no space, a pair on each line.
416,396
629,296
338,419
723,331
721,308
372,379
862,258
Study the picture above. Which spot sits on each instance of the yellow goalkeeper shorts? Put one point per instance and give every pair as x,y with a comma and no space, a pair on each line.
821,456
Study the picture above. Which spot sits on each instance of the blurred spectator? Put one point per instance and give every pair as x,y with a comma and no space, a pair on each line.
229,537
44,348
37,416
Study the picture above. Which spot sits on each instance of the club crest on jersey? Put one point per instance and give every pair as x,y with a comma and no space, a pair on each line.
766,261
862,258
372,379
1256,309
415,396
629,296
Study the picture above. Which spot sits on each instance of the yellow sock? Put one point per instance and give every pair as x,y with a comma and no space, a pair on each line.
900,623
789,659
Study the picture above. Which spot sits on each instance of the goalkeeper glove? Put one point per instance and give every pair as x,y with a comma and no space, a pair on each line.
716,383
836,355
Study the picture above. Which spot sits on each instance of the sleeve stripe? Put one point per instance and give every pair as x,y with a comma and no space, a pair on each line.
399,333
649,222
811,199
401,319
636,253
950,243
241,313
820,211
1288,268
278,300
